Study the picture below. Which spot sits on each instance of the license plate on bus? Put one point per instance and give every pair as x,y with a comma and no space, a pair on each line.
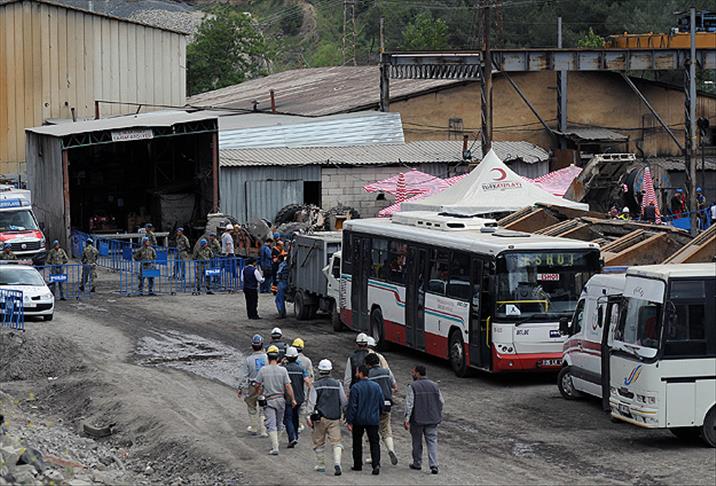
624,409
549,362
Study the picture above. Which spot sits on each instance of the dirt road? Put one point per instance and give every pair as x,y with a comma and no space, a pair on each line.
161,368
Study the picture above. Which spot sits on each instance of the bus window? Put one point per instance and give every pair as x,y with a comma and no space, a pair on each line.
458,286
347,252
379,255
578,317
686,331
640,324
397,257
439,272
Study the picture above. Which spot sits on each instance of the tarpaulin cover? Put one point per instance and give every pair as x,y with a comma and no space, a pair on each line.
558,182
394,208
416,182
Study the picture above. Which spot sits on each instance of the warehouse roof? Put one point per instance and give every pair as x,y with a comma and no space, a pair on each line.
593,134
165,118
379,154
317,91
677,163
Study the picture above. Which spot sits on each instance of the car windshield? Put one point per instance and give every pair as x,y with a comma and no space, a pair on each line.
20,276
640,323
21,220
544,284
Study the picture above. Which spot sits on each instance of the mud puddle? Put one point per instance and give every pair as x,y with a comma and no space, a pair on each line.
194,354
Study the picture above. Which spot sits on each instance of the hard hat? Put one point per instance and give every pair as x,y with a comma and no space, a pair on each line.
371,342
180,229
257,340
625,210
362,338
203,242
212,234
325,365
229,226
90,240
276,236
145,239
698,189
272,350
298,343
55,242
7,245
291,352
276,332
149,225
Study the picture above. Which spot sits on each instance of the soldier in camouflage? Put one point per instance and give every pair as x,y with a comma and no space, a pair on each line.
7,253
203,256
149,233
147,256
89,264
57,257
183,254
215,246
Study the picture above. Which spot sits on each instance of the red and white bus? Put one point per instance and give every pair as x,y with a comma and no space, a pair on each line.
462,289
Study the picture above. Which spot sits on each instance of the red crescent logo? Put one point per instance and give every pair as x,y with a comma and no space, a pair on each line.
502,176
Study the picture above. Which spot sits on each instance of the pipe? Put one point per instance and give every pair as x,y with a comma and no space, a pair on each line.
273,101
96,109
74,114
215,171
464,145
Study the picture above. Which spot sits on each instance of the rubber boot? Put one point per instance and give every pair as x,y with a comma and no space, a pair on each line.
320,460
274,443
337,460
254,426
262,426
388,441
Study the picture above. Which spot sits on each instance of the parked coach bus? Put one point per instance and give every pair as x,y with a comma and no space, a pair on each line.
662,362
462,289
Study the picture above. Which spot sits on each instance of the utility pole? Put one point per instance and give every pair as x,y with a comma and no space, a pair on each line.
384,104
691,146
349,21
561,91
486,82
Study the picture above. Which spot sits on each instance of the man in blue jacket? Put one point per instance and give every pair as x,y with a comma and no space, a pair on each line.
365,404
266,264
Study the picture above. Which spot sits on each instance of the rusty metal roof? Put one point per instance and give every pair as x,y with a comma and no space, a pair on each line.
677,163
316,91
594,134
379,154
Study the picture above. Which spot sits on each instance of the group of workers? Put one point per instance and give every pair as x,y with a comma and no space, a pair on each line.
279,382
270,271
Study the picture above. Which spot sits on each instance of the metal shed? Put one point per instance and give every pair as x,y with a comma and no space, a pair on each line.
113,174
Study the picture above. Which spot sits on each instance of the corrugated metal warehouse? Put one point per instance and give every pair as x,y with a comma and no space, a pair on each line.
55,59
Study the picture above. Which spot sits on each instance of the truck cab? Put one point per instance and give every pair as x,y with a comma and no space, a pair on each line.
19,227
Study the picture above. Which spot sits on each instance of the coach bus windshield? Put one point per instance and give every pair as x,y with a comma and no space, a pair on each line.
543,284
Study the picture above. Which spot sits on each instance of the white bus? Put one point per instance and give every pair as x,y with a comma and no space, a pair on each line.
662,363
462,289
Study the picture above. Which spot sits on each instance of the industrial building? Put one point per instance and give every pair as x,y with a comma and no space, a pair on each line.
58,61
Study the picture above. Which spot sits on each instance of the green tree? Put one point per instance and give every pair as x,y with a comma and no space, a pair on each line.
591,40
227,50
425,33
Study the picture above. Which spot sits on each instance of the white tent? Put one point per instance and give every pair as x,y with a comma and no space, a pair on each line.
490,188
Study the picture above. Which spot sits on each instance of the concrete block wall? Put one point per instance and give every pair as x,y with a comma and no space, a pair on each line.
344,185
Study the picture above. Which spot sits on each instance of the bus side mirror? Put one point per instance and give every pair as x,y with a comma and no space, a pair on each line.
564,326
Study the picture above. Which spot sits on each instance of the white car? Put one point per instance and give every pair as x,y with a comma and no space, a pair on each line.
37,297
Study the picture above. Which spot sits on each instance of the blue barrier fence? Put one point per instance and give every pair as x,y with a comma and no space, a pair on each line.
12,308
174,275
71,281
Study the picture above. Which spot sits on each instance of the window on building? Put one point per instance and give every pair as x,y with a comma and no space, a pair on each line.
456,129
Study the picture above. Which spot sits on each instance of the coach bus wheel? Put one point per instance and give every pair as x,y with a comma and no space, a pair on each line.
377,330
565,384
336,318
708,431
458,360
300,309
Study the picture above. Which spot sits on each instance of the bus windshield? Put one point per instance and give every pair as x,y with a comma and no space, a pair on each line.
640,323
543,284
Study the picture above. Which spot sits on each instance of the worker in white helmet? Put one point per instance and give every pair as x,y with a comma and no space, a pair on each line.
326,401
372,344
355,360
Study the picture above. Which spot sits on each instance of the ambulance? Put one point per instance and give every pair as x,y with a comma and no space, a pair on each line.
19,227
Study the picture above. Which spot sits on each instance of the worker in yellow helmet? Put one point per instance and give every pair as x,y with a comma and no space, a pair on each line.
307,365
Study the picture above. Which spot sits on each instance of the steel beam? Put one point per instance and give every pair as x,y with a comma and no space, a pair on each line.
529,105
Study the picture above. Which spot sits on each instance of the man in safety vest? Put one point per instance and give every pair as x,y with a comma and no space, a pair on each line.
355,360
384,377
252,365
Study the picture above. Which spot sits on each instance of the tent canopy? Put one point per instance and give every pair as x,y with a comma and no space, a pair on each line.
490,188
416,182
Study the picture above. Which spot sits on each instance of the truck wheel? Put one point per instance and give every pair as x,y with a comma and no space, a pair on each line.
377,331
300,309
456,353
708,431
336,318
566,385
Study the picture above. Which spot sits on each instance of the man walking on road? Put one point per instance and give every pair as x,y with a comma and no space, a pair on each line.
252,365
423,414
252,279
89,264
355,360
385,379
371,349
325,402
365,404
278,341
298,376
57,257
274,384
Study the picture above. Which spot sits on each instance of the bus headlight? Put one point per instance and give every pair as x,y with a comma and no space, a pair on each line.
505,348
646,399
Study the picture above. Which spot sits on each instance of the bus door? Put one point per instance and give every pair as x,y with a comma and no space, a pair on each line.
359,282
479,345
609,321
415,297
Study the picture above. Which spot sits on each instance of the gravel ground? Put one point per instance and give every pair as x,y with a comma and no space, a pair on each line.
161,368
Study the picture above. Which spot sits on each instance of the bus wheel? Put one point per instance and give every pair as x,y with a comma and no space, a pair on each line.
456,352
708,431
377,330
566,385
336,318
300,309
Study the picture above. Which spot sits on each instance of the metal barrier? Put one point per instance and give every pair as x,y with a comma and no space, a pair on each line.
174,275
71,281
13,309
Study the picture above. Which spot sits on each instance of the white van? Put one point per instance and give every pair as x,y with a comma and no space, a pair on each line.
581,371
